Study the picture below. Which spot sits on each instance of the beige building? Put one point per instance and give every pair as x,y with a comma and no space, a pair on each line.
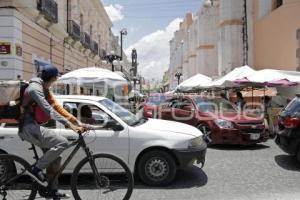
70,34
225,34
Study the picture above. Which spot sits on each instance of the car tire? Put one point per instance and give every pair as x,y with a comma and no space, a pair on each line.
298,155
205,129
7,169
157,168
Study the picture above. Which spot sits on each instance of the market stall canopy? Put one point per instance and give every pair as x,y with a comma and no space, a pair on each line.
272,78
194,82
90,75
229,79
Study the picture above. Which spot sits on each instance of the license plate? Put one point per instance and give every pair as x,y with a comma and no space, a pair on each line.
254,136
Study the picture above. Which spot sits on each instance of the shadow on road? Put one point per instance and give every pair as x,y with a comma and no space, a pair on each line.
192,177
228,147
287,162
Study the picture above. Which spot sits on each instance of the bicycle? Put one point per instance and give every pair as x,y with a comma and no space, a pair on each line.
88,176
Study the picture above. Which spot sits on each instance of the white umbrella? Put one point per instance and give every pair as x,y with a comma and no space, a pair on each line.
228,79
269,75
194,82
90,75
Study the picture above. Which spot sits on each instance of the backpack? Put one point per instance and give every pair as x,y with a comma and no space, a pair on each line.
11,97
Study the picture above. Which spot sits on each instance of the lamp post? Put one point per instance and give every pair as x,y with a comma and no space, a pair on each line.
111,58
178,75
122,32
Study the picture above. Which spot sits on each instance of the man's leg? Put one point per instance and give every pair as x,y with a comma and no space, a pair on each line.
56,145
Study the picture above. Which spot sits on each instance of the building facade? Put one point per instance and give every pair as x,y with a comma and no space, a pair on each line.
225,34
71,34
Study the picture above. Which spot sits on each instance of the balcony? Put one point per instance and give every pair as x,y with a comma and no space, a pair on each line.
74,30
49,9
102,53
85,40
95,48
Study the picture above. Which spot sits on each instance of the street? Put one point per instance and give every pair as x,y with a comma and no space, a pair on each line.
261,172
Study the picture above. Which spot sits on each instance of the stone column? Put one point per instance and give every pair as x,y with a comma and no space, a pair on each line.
298,50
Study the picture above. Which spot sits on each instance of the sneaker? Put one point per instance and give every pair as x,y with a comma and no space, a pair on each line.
37,174
55,195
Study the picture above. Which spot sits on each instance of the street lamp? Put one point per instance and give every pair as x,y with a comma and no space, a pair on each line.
178,75
112,58
122,32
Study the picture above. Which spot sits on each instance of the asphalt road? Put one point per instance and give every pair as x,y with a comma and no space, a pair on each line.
260,172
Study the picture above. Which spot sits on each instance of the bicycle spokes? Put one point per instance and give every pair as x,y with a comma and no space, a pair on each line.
113,181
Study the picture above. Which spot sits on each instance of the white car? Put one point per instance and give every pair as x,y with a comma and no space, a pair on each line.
153,149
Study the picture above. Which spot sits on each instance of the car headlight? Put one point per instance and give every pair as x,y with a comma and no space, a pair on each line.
224,123
195,142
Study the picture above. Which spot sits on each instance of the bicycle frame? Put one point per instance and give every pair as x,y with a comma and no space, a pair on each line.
79,143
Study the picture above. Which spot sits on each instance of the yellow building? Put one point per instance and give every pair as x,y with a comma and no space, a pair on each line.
70,34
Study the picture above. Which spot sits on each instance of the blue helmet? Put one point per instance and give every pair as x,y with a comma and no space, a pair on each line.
50,71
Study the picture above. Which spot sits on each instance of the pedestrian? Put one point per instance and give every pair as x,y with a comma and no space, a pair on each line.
240,101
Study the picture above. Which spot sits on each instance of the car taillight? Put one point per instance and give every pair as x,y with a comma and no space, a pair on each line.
291,122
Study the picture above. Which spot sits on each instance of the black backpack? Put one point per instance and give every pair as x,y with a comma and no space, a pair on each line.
11,97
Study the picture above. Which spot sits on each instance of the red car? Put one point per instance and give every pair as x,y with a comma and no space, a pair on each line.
216,118
153,103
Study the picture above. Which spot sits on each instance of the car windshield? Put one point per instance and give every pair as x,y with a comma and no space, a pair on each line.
156,100
128,117
214,105
294,105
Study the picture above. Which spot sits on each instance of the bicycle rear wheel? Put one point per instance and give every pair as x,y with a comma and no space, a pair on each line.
116,180
14,184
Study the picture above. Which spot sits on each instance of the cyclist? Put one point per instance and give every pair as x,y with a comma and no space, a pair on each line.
39,106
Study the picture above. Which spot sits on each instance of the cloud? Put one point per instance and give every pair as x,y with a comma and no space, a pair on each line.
154,52
114,11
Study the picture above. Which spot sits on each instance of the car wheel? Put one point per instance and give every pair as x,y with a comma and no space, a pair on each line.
6,170
298,155
157,168
205,129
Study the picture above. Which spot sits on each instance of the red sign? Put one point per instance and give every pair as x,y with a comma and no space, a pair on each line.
5,48
19,51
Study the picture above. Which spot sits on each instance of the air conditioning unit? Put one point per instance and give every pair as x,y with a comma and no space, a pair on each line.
74,30
85,40
49,9
95,47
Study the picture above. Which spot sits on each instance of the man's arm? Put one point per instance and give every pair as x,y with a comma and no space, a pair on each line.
56,105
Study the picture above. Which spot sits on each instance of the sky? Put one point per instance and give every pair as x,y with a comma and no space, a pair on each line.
150,25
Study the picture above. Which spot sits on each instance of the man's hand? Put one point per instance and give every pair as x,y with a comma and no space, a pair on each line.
77,129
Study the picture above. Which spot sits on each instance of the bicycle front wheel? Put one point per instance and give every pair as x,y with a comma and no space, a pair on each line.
14,184
115,180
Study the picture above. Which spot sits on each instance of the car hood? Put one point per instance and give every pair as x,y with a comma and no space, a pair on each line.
170,126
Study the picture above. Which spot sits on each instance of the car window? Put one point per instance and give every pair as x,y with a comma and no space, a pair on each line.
293,106
87,113
156,100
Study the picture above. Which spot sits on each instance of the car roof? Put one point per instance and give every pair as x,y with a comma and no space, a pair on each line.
80,97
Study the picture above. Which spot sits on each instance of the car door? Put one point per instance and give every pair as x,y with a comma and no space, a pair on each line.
185,111
168,109
102,140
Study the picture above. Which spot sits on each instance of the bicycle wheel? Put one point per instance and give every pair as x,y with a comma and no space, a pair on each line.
116,180
14,184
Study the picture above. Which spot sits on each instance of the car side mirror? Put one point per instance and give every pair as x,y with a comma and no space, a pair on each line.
114,125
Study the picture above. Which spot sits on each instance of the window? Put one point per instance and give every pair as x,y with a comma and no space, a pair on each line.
87,113
278,3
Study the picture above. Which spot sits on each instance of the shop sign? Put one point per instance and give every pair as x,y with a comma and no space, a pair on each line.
19,51
5,48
